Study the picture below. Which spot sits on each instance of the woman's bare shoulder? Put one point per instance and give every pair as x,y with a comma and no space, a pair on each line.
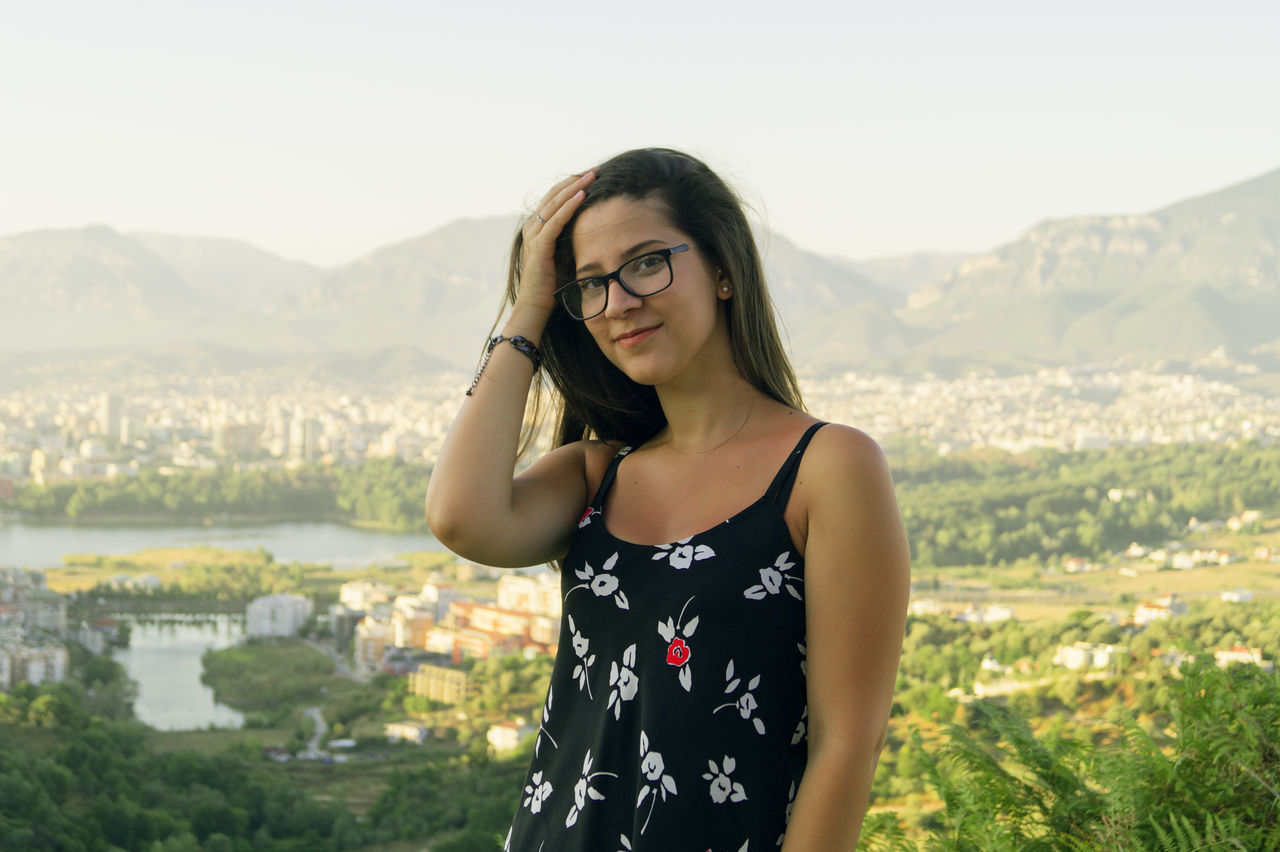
838,444
843,465
590,457
595,457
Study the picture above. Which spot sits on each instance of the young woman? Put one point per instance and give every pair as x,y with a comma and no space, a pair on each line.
734,572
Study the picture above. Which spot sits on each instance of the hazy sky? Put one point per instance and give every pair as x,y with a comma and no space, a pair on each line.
322,130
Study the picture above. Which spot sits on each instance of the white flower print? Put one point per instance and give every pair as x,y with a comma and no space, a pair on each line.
791,803
723,788
587,516
774,579
802,729
681,554
678,651
583,791
651,764
626,844
581,644
624,680
746,702
542,729
537,793
603,584
804,658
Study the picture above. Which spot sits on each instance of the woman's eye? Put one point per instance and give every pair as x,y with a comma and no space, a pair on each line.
591,285
648,263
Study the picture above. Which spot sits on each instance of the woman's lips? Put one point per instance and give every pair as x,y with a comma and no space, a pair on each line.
634,338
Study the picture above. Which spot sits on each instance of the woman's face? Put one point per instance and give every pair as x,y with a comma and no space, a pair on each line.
662,337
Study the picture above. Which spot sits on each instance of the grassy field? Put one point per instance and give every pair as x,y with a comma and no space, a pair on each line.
85,571
358,782
1037,597
210,742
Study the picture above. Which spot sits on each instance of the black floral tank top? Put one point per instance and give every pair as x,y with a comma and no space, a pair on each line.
676,715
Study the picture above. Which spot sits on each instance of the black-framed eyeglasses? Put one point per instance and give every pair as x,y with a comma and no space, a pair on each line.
640,276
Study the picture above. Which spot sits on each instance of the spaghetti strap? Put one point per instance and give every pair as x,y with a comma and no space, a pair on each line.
597,502
780,490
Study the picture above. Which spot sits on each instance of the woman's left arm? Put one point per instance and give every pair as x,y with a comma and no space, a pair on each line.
857,582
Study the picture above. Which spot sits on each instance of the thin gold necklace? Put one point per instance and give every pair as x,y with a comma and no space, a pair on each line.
751,408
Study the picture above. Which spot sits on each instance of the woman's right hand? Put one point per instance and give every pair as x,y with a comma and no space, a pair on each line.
538,241
474,505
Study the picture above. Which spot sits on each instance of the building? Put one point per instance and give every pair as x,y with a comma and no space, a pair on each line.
45,610
482,644
109,409
985,615
542,629
506,736
439,682
235,438
438,598
276,615
927,606
1240,655
45,662
364,595
538,594
1086,655
410,625
1237,596
372,638
146,583
406,732
1168,606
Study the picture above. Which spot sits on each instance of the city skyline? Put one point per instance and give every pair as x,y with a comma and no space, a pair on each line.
322,132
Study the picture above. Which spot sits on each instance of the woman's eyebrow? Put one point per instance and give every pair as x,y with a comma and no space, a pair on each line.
629,254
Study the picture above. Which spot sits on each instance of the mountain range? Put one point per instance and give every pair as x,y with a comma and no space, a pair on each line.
1172,283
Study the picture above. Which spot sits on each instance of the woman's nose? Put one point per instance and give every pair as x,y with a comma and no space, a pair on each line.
620,301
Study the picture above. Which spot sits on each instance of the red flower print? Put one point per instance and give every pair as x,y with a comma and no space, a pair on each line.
678,652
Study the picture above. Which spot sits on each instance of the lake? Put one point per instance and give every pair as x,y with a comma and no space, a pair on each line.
344,547
164,658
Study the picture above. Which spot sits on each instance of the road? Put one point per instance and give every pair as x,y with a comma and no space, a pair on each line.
313,747
340,666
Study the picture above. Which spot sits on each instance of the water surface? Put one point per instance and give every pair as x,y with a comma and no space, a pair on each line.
344,547
164,658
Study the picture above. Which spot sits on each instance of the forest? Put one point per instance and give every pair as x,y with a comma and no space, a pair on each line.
386,492
974,508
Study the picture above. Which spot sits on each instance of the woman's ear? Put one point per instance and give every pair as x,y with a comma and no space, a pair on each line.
724,288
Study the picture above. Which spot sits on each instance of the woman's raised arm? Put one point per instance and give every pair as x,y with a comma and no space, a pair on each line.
475,505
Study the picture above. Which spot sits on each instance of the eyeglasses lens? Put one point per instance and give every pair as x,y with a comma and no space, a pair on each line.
643,276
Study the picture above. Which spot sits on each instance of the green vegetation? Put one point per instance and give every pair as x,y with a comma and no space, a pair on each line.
78,773
980,508
996,508
1063,750
215,579
1210,779
382,492
269,679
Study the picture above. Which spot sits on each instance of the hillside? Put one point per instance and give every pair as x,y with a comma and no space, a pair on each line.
1175,282
1178,282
